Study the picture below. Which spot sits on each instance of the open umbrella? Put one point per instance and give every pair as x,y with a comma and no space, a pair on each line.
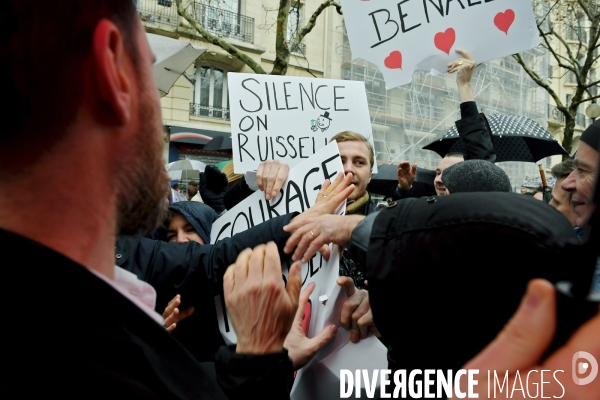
173,57
186,168
220,143
515,138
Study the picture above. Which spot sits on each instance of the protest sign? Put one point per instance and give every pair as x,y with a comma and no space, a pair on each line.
401,36
291,118
320,378
298,194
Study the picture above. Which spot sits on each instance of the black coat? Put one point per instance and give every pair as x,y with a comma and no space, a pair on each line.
70,335
476,139
212,186
195,272
462,262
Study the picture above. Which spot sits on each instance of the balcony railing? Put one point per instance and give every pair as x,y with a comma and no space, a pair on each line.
219,22
198,110
300,48
158,11
554,114
224,23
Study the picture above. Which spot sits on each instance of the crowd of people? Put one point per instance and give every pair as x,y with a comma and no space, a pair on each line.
113,293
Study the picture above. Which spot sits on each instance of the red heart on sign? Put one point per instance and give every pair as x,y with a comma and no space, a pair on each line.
504,20
445,40
394,60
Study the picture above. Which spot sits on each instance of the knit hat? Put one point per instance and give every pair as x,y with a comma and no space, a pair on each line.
475,176
591,135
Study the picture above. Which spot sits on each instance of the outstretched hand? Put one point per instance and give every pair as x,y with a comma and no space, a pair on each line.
406,175
523,342
300,348
261,308
356,313
173,316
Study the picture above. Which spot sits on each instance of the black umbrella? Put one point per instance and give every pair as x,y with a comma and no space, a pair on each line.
514,138
220,143
386,178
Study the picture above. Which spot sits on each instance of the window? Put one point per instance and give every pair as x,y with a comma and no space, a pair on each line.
295,23
210,93
570,77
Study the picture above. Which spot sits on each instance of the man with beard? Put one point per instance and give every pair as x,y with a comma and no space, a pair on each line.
78,330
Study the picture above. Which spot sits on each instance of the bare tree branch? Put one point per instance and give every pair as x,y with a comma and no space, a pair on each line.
228,47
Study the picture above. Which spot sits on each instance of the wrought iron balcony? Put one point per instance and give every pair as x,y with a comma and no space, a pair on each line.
554,114
224,23
217,21
300,48
198,110
158,11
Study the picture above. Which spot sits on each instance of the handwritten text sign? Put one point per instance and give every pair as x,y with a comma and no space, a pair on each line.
401,36
298,194
291,118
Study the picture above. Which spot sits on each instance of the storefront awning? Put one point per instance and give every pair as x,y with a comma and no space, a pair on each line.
178,134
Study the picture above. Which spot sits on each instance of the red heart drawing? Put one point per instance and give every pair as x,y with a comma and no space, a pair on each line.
445,40
504,20
394,60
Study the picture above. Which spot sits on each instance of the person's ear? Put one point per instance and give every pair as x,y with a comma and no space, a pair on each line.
113,72
370,175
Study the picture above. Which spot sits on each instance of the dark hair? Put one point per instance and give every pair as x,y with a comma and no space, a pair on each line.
563,169
175,186
42,48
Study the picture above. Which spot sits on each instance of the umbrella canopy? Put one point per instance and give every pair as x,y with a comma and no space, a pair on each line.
186,168
387,177
515,138
172,59
220,143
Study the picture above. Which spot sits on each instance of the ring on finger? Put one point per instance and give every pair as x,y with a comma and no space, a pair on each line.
313,235
460,62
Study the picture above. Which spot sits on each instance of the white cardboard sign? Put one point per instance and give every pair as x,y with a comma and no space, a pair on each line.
407,35
291,118
298,194
320,378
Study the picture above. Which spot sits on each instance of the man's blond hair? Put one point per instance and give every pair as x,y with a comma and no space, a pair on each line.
349,135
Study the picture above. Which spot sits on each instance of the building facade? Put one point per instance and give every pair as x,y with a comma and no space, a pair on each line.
404,119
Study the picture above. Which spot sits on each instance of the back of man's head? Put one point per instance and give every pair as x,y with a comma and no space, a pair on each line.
41,64
476,176
454,155
563,169
349,135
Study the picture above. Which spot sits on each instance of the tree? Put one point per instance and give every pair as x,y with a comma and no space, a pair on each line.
569,30
282,47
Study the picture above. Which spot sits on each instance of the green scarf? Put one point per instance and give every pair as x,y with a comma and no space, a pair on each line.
357,205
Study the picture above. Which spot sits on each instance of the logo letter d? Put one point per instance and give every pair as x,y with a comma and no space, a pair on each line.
581,368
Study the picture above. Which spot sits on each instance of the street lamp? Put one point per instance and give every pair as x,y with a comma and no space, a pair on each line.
593,111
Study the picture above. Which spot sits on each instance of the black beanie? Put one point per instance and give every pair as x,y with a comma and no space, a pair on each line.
591,135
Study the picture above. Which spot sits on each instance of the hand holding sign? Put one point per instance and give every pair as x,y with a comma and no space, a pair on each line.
300,348
403,36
